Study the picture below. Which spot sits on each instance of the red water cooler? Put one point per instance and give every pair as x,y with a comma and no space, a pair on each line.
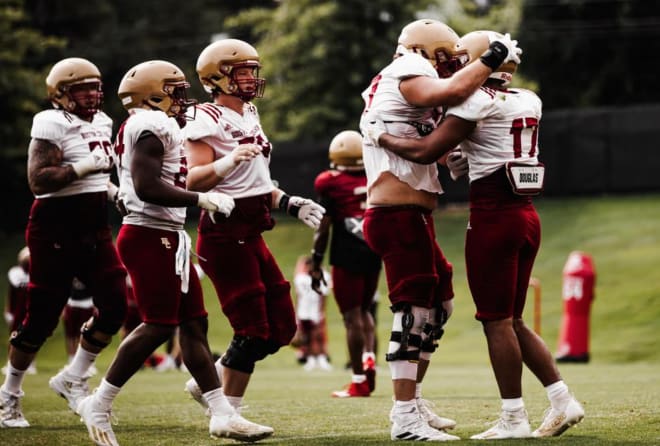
578,294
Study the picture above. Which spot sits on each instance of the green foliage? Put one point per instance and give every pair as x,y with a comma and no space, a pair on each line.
318,56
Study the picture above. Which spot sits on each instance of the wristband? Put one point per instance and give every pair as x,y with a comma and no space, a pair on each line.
284,206
494,55
223,166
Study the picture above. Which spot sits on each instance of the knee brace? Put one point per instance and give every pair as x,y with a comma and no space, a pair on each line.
244,351
406,339
432,331
93,326
27,342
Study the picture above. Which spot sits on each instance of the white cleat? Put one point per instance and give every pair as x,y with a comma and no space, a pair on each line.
11,414
97,422
196,393
555,422
71,389
434,420
510,425
412,427
238,428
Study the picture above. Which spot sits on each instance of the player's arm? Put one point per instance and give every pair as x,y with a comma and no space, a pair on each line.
430,148
46,173
423,91
205,171
146,167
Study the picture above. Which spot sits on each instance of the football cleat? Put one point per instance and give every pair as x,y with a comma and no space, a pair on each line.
11,414
369,367
353,390
412,427
193,389
434,420
71,389
510,425
555,422
97,422
238,428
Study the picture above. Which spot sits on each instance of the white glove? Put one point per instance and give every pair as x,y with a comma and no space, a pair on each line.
375,127
215,202
9,318
244,152
511,46
95,161
310,212
457,164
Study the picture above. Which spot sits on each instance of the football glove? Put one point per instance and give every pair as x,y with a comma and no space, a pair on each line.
303,209
457,164
215,202
97,160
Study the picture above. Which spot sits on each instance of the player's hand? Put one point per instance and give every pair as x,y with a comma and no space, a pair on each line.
375,128
317,280
216,202
9,318
457,164
245,152
511,45
96,161
310,212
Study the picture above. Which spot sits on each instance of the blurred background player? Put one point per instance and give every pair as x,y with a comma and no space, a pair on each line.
18,277
497,129
155,248
253,293
78,310
68,233
310,315
342,190
402,195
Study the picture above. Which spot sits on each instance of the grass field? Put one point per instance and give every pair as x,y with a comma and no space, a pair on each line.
619,388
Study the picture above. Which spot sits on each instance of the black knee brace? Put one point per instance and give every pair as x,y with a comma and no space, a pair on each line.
404,337
244,351
26,342
92,326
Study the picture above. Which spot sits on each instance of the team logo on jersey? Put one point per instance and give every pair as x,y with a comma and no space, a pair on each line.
354,226
166,243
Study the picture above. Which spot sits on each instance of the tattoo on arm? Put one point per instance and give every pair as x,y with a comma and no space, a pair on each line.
45,172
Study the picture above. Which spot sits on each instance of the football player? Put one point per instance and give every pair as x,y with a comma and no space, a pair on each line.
401,195
497,128
342,190
228,152
67,233
155,247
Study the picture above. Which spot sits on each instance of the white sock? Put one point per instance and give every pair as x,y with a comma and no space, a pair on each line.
368,355
106,394
512,404
217,402
13,380
558,394
359,379
219,367
81,362
404,406
235,401
418,390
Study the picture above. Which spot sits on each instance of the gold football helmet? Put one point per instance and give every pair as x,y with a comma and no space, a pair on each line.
69,72
156,85
216,65
475,43
434,41
345,151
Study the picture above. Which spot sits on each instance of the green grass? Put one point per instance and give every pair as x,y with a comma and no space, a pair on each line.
620,387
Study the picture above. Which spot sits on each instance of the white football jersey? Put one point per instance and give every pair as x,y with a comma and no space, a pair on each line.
174,170
309,302
507,124
384,100
223,129
76,138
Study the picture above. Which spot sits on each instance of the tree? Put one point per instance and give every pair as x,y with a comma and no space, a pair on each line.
317,58
22,93
591,52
